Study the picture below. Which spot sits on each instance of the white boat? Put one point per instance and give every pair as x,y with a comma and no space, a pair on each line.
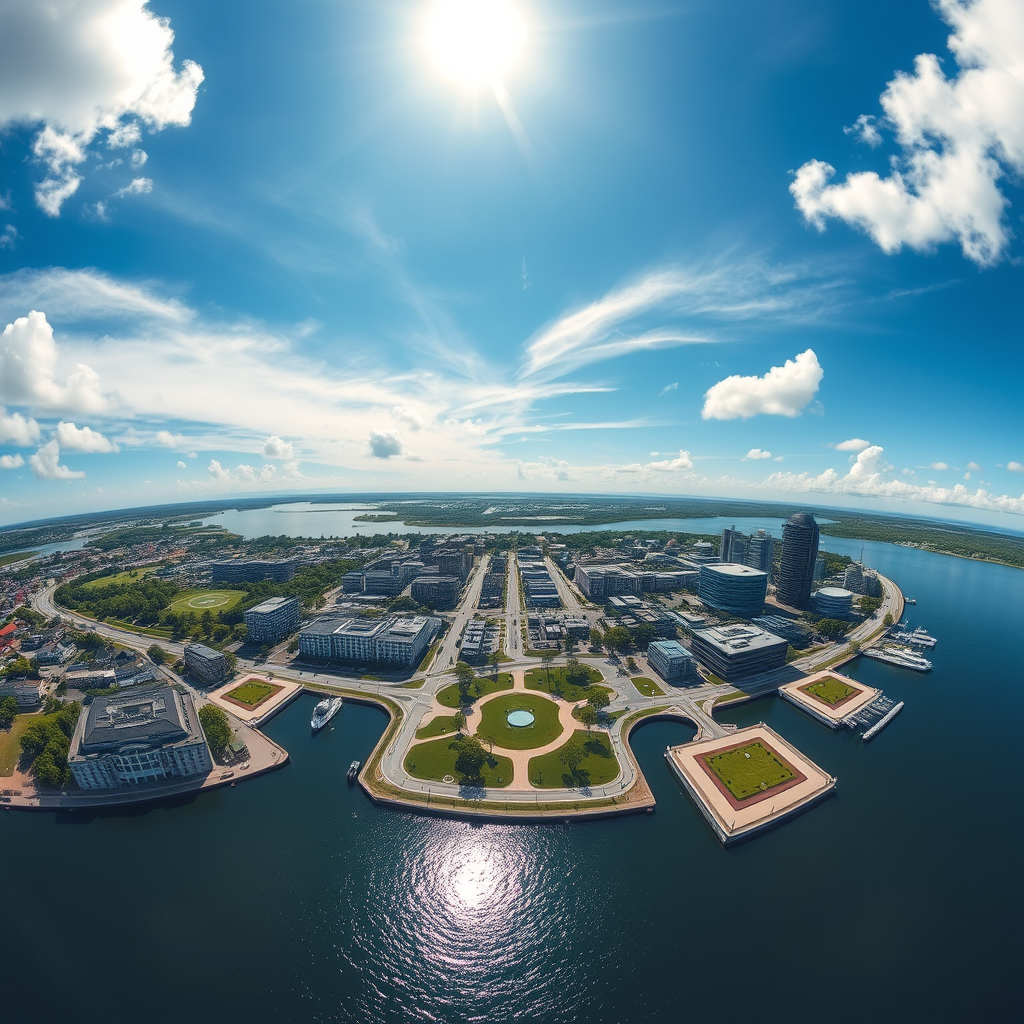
324,712
904,657
918,637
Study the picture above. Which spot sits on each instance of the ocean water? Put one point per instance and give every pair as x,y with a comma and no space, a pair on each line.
294,898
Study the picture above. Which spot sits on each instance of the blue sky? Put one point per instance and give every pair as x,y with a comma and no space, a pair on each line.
721,248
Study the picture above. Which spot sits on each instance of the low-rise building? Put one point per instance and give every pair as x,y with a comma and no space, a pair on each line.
736,652
27,692
832,602
672,661
206,664
252,570
389,640
272,620
89,678
132,739
436,591
599,582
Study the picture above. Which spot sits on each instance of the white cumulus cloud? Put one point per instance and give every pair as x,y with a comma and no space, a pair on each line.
1015,467
136,187
28,364
855,444
82,67
958,138
973,467
181,465
276,448
758,453
676,465
782,391
383,444
11,461
82,439
166,439
46,464
937,465
17,429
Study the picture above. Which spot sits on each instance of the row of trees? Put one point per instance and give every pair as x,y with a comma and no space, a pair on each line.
139,601
215,724
8,711
46,743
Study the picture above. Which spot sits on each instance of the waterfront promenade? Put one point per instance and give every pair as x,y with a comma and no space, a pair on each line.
411,703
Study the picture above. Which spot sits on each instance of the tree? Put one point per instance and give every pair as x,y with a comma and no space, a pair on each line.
464,675
577,674
470,757
547,657
887,621
599,700
596,638
240,632
572,755
631,663
157,654
215,725
832,629
618,638
645,633
8,709
587,715
494,659
460,720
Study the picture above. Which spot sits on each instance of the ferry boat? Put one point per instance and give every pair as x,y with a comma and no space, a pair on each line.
918,637
353,771
904,657
324,712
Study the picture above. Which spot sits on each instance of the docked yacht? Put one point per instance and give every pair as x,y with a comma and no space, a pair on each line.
904,657
918,637
324,712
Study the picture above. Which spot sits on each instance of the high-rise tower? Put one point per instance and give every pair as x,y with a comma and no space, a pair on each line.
799,550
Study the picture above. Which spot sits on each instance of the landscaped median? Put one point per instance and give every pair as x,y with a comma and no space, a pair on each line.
482,686
647,686
563,682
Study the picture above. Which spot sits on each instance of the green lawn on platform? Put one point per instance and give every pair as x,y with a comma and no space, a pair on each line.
599,766
648,687
206,600
435,759
252,693
538,679
480,687
749,770
494,724
829,690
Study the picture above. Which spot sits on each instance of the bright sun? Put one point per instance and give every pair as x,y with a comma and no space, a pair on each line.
474,42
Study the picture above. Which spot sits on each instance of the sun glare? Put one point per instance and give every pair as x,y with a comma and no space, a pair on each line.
474,42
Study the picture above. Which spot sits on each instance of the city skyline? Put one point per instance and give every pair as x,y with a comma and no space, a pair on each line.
251,250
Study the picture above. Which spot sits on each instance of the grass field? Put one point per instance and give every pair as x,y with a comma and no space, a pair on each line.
648,687
830,691
17,556
10,743
252,694
443,725
545,728
537,679
598,767
435,759
749,770
128,576
206,600
480,687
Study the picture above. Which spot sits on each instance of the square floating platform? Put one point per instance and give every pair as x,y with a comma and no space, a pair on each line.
829,696
748,781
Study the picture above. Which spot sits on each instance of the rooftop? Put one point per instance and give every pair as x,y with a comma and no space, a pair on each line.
152,716
737,638
272,604
733,569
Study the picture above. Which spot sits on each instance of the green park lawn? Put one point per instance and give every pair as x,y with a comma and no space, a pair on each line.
829,690
745,776
442,725
128,576
252,694
480,687
10,743
648,687
538,679
206,600
545,728
598,767
435,759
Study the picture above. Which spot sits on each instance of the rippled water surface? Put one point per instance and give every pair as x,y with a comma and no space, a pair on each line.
293,898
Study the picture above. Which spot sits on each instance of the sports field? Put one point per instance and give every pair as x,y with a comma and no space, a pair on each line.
252,693
749,770
830,691
206,600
